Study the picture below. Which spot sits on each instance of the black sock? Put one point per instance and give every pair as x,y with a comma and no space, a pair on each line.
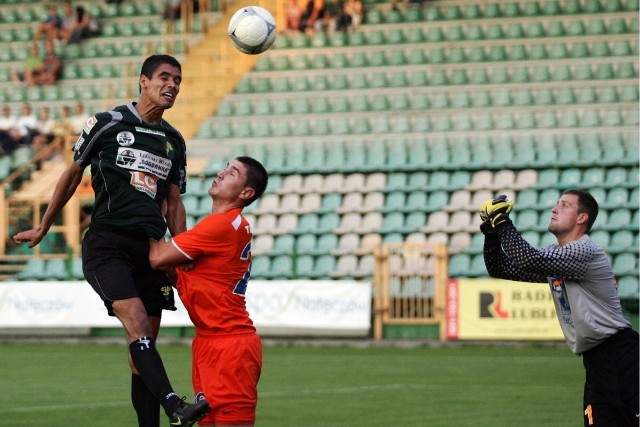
149,365
145,403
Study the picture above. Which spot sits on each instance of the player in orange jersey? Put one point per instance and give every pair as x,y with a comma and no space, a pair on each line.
227,353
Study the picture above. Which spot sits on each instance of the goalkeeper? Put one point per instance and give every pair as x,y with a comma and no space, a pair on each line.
585,295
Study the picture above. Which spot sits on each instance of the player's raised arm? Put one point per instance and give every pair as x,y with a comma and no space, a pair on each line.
64,190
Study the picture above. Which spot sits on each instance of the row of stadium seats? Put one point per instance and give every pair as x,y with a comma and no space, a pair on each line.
426,53
463,30
389,99
622,206
313,264
420,121
546,151
455,74
491,10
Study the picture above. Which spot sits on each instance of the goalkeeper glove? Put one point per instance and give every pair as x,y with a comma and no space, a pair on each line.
498,210
486,226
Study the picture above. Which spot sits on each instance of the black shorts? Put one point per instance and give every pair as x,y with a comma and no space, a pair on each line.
611,387
116,264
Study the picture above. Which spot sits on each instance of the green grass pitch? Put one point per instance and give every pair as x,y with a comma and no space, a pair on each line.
305,386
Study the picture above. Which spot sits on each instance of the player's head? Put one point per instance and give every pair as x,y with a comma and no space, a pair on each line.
587,204
153,62
257,177
576,208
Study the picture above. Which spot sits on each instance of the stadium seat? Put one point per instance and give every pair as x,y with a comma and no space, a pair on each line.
625,264
628,287
34,269
347,243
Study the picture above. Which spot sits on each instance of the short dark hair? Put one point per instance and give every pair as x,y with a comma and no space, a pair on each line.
151,64
257,177
586,204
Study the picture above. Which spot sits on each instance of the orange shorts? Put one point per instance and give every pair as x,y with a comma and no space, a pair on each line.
225,372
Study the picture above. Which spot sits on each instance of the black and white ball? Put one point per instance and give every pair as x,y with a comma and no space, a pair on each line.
252,30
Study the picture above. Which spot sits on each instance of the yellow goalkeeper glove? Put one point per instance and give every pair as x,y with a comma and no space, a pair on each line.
496,211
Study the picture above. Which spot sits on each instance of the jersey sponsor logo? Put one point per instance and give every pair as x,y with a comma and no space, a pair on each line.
145,182
125,138
151,131
78,144
89,124
138,160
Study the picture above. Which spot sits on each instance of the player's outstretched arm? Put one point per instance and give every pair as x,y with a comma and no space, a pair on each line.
65,188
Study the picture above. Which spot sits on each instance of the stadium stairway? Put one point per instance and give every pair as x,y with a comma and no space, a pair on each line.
211,71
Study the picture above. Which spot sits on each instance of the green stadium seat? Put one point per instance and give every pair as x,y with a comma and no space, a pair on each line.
625,264
620,26
621,241
612,6
628,287
534,29
34,269
591,6
357,38
554,29
551,8
56,269
571,7
599,49
474,32
510,10
415,35
323,266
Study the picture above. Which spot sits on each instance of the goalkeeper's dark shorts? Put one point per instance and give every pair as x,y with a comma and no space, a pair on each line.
611,387
116,264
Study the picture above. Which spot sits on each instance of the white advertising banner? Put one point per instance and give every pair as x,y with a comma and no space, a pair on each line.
276,307
297,307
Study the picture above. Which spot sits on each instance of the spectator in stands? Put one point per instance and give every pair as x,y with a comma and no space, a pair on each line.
31,69
78,119
62,126
331,15
51,66
171,11
584,292
311,12
82,26
139,159
355,9
26,124
51,25
43,131
293,14
9,135
227,352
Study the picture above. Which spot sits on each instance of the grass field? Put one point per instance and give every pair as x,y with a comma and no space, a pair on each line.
88,385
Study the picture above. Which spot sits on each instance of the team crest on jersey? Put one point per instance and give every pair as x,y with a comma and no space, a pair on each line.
169,150
125,138
89,124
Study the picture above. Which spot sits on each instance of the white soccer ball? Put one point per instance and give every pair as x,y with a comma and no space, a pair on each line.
252,30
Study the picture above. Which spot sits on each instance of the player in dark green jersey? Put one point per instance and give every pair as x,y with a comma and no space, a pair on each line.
138,172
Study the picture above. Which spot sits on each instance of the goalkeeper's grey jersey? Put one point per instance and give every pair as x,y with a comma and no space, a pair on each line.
579,274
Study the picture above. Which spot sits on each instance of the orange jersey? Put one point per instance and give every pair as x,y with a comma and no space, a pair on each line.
213,291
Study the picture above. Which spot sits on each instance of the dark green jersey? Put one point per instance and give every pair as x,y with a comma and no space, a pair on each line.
132,164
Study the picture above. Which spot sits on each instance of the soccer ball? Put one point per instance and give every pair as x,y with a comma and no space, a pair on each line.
252,30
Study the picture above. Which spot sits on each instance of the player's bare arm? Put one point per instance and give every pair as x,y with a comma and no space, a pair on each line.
164,255
176,215
64,190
